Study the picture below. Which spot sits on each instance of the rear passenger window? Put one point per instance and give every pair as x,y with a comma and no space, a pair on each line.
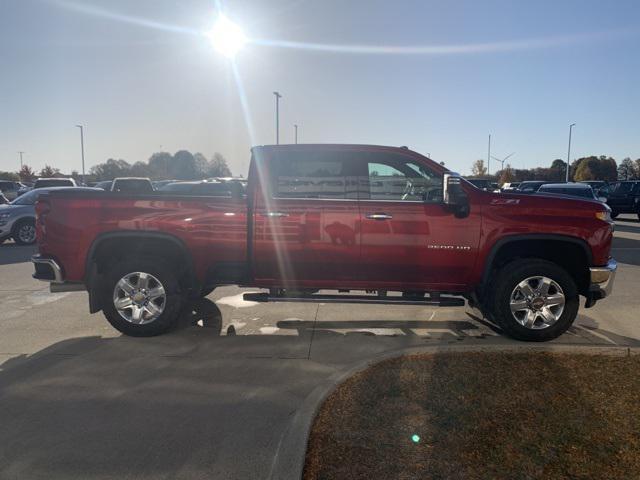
312,175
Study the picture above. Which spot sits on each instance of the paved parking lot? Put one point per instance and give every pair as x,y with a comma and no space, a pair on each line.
212,399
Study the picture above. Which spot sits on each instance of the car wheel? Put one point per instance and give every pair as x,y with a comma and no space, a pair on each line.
142,297
534,300
24,233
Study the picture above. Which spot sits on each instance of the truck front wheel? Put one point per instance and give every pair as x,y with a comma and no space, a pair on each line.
142,297
534,300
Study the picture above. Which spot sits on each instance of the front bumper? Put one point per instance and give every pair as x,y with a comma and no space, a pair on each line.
601,281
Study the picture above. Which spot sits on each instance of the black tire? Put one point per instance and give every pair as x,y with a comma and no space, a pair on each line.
506,280
18,231
172,303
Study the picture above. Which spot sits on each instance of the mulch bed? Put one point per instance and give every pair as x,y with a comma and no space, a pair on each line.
482,416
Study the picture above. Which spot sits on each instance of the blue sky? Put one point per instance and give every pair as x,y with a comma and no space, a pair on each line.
141,77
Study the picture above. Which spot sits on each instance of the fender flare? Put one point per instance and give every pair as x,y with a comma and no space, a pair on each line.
92,279
532,236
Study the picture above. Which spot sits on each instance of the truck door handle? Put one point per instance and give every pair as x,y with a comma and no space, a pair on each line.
379,216
274,214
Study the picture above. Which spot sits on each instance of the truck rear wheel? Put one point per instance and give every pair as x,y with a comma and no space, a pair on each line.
142,297
534,300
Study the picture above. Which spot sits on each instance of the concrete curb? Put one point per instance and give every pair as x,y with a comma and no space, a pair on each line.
291,453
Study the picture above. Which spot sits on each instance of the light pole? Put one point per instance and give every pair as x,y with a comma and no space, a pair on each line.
489,157
20,153
295,127
82,148
569,152
278,97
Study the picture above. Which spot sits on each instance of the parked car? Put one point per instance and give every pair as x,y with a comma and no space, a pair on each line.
3,200
17,219
624,197
131,185
600,187
54,182
104,185
27,186
483,183
509,186
530,186
341,217
157,184
10,189
572,190
203,188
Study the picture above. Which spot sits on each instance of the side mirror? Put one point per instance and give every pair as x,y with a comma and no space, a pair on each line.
454,195
452,189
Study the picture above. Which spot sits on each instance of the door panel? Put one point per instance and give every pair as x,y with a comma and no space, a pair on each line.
409,239
305,220
421,245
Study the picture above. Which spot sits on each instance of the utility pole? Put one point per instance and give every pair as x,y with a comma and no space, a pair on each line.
295,126
82,148
20,153
278,97
569,152
489,157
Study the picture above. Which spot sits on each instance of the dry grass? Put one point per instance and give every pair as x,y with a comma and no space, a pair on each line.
482,416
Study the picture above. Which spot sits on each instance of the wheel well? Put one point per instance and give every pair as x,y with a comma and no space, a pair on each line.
107,251
570,255
20,221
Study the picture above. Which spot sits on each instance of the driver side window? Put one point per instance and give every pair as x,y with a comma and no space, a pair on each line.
399,178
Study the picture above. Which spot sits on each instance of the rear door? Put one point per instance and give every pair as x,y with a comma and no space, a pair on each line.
305,229
409,239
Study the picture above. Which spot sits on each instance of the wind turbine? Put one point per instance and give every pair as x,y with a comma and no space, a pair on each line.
502,160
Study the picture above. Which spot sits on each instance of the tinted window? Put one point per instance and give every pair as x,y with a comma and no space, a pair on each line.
621,187
397,177
311,175
177,188
28,198
132,186
215,189
7,186
57,182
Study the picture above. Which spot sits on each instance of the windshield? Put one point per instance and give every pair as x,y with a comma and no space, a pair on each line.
28,198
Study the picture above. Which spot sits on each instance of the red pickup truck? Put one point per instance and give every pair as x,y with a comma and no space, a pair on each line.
332,217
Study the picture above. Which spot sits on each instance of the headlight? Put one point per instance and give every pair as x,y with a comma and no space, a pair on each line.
4,218
604,215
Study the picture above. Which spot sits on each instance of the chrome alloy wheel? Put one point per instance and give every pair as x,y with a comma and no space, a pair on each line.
537,302
139,298
27,233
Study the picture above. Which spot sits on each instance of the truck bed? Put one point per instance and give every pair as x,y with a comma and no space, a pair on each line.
213,230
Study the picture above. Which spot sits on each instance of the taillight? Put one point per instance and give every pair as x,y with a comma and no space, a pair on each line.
42,209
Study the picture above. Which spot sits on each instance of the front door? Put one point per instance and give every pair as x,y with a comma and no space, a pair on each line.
409,239
306,220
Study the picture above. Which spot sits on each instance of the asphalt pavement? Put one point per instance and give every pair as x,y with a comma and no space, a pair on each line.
213,399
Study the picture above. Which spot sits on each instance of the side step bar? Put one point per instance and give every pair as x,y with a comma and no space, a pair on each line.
441,301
